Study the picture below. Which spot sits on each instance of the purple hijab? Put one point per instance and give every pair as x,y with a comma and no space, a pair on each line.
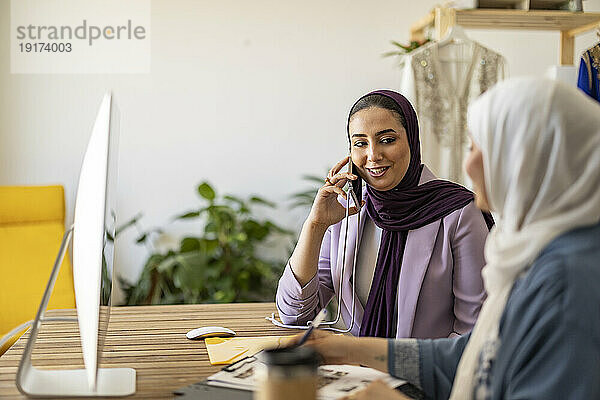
406,207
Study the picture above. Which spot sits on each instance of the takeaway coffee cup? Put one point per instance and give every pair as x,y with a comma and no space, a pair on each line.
289,373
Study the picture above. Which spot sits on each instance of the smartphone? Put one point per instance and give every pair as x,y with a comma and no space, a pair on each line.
355,185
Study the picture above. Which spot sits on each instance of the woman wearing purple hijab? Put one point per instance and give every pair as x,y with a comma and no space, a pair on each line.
420,250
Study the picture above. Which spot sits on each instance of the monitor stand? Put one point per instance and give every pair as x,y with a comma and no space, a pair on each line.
60,383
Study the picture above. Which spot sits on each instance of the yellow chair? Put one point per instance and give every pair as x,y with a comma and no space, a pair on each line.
31,230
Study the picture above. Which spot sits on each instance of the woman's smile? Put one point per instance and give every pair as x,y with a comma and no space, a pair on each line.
377,172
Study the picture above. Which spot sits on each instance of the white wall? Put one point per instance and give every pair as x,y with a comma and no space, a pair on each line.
249,95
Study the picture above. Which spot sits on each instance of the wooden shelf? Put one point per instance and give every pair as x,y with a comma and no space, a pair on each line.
568,23
531,4
528,20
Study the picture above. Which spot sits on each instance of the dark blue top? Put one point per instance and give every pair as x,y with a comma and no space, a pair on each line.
549,337
589,72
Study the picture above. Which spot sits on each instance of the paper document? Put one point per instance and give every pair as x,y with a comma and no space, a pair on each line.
335,381
229,350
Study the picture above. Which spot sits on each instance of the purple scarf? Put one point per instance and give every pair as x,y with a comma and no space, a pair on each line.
396,211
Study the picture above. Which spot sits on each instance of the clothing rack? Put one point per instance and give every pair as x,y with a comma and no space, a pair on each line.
570,24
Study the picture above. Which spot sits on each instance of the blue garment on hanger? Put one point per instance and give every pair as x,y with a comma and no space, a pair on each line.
589,72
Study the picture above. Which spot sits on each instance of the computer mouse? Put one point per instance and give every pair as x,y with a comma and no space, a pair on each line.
209,331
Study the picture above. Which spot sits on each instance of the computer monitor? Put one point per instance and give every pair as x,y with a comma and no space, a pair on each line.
93,234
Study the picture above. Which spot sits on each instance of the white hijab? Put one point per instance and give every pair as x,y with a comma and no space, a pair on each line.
540,141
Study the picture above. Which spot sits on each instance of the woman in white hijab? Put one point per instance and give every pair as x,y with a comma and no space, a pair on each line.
535,163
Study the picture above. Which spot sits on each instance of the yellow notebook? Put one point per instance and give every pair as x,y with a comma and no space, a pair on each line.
229,350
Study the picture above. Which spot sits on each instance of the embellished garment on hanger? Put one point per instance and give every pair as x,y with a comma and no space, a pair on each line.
589,72
441,81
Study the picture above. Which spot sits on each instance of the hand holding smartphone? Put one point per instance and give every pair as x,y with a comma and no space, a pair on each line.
355,185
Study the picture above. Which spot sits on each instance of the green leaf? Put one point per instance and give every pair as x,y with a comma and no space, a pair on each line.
308,195
314,178
191,214
191,277
259,200
255,230
241,237
404,49
278,229
233,199
189,244
129,223
393,53
244,210
220,295
206,191
211,227
305,199
208,246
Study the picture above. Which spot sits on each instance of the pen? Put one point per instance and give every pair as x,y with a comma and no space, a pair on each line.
315,324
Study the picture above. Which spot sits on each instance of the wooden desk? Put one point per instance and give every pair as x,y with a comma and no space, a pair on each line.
150,339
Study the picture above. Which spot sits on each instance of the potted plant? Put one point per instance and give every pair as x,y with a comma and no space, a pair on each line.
221,264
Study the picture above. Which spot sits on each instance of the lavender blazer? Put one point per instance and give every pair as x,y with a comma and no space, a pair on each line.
440,289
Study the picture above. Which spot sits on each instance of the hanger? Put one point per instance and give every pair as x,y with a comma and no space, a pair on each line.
455,35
